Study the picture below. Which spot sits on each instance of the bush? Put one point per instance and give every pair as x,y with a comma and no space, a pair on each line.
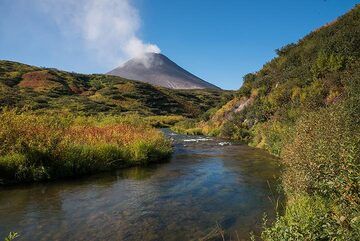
322,162
271,136
311,218
188,127
235,130
324,156
163,121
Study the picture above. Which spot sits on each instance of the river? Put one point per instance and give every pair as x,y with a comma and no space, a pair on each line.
208,183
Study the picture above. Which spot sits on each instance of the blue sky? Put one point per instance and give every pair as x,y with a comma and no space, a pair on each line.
220,41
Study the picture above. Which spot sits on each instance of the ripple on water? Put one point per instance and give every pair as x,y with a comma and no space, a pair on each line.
207,182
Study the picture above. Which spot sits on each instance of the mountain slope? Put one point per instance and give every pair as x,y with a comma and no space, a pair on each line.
44,89
304,106
158,70
311,74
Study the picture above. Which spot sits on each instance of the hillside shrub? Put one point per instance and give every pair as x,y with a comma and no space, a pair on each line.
271,136
311,218
322,163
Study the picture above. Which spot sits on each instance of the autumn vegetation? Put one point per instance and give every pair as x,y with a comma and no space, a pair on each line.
42,147
56,124
45,90
302,106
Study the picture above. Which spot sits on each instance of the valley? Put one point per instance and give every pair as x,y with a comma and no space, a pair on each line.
150,151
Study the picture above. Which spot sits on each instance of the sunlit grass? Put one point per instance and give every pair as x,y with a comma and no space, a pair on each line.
38,147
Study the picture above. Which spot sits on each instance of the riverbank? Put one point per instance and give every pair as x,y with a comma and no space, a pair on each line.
205,184
320,155
45,147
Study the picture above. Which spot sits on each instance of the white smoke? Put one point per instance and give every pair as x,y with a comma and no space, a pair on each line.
109,28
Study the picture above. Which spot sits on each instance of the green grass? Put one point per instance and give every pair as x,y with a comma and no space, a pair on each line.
12,236
42,147
312,218
163,121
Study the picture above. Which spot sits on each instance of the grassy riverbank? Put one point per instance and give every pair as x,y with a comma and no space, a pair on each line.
321,177
41,147
320,154
303,106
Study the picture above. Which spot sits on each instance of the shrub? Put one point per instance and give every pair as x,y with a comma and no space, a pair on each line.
324,156
322,162
187,126
271,136
163,121
12,236
235,130
311,218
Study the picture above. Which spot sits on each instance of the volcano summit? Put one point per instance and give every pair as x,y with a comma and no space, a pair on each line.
157,69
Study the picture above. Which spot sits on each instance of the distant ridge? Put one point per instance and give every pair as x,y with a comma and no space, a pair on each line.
159,70
52,90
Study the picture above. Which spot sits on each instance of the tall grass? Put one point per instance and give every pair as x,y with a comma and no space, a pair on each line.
12,236
39,147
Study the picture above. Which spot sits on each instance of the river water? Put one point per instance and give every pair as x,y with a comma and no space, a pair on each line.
207,184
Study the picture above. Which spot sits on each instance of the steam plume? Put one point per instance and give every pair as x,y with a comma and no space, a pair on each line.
109,28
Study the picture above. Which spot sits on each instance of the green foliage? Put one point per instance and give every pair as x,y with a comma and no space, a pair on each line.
235,129
285,49
312,218
96,83
323,161
325,64
188,127
271,136
324,156
12,236
163,121
321,155
307,75
247,84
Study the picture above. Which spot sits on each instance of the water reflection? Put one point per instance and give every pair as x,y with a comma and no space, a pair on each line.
204,183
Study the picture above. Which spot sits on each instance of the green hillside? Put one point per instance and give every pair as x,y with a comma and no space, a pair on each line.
308,75
44,90
304,106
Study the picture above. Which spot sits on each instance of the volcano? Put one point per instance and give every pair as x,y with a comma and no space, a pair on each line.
159,70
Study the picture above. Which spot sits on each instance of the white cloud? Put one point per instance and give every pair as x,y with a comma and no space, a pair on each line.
109,28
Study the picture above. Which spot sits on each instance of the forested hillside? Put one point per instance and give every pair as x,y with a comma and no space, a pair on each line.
44,90
304,107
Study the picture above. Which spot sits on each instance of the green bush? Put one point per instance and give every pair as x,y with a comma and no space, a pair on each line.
235,130
12,236
322,161
312,218
323,157
271,136
188,127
